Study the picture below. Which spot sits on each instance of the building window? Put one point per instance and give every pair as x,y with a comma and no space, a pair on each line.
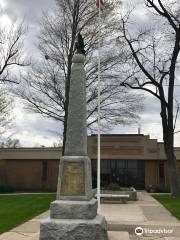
161,170
44,170
126,173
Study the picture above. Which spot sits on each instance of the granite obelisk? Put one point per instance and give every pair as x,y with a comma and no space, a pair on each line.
73,216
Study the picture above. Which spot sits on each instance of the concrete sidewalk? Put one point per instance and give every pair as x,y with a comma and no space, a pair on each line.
146,213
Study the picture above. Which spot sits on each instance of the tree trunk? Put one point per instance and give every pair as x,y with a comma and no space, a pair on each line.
173,172
168,137
64,132
172,162
67,99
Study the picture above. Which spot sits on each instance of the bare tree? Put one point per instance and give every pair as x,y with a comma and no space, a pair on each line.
12,58
153,62
11,52
10,143
48,82
5,111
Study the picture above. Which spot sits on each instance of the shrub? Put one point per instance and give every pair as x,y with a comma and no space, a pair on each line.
6,189
113,187
116,187
152,189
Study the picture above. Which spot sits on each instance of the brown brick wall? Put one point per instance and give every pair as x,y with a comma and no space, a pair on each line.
166,173
2,172
167,181
122,151
53,170
24,174
151,174
27,174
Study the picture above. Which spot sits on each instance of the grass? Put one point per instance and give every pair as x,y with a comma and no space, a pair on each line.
17,209
171,203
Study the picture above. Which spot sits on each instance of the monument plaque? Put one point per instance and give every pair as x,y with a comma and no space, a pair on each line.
73,182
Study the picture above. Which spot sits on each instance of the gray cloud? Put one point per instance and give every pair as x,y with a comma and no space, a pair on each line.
30,12
30,9
32,129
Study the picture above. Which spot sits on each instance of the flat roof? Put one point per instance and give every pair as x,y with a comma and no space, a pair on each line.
117,135
32,148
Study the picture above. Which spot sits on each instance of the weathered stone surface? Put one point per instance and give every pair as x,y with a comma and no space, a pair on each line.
74,209
76,136
73,182
132,194
70,219
88,193
95,229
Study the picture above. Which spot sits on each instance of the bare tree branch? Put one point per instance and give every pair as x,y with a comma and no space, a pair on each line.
156,55
48,82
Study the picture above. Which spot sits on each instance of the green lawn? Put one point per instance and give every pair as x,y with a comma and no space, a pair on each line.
171,203
17,209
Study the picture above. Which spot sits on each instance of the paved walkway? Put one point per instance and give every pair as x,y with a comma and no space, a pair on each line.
146,213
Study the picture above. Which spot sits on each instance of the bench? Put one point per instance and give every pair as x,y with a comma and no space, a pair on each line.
114,197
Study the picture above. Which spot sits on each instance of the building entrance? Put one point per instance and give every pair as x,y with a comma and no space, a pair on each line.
126,173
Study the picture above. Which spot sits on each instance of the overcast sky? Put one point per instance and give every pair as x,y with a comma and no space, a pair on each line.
32,129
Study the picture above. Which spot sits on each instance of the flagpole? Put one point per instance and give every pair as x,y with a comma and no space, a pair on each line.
99,119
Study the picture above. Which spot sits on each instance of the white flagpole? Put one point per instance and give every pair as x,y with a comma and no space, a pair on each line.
99,112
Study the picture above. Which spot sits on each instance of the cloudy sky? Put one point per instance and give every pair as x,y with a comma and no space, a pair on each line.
32,129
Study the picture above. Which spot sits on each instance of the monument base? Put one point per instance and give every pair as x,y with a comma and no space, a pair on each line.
61,209
74,229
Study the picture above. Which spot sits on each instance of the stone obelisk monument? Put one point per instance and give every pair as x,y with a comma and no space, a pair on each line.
73,216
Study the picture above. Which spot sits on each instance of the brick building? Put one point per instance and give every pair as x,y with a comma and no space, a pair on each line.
130,160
